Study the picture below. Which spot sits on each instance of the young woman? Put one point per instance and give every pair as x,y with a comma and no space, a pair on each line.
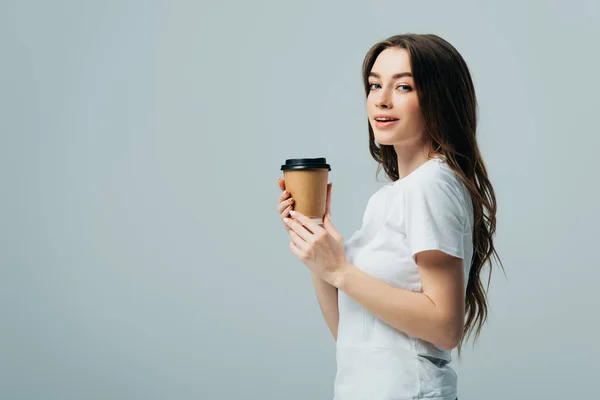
405,289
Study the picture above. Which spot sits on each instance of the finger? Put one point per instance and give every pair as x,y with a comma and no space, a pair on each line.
281,183
305,222
297,252
286,214
284,195
299,242
299,229
284,204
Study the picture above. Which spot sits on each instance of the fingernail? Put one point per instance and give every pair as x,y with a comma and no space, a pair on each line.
293,213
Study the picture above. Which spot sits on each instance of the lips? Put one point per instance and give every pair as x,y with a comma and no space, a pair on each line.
385,124
384,118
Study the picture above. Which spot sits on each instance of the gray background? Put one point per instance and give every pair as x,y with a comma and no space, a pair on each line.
142,256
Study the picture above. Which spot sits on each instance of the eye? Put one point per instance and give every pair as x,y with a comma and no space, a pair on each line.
373,86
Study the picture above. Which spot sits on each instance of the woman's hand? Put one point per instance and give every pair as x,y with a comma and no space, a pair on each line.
285,204
319,247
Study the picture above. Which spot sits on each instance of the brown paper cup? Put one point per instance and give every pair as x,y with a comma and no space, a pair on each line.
306,180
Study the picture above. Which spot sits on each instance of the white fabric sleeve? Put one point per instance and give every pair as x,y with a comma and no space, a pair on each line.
435,217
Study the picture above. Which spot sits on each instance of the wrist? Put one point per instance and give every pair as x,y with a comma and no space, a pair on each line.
341,273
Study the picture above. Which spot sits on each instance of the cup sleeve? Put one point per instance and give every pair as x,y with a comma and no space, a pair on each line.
435,218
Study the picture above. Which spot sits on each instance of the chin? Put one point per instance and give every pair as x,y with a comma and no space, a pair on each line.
385,139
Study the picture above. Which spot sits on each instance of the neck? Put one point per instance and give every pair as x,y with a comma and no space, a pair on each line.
411,156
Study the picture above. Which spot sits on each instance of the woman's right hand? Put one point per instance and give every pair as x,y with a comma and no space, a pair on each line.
286,203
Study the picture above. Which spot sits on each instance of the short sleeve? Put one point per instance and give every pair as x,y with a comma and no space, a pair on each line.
435,217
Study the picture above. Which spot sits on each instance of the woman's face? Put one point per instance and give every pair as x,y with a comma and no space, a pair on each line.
392,93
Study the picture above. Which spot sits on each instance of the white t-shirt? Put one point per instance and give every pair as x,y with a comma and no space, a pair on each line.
428,209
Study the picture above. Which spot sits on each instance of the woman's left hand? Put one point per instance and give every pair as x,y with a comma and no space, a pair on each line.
320,248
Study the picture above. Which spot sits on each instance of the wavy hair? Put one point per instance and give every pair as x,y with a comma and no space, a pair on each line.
447,101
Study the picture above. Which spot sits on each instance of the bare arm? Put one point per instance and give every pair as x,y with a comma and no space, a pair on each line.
326,293
328,301
436,314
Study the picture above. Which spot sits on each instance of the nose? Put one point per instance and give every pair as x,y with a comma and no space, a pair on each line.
384,100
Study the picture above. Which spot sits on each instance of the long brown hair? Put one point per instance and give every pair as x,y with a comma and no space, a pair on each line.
449,107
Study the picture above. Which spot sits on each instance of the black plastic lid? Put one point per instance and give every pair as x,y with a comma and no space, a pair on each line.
305,163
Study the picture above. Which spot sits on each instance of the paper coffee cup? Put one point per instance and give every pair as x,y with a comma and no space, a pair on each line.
306,180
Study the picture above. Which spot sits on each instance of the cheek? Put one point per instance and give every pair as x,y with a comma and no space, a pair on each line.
411,105
370,102
412,111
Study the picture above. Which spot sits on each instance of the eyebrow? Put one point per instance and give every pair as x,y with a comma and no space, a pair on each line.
395,76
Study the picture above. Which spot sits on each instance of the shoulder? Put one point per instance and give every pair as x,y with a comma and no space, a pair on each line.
435,176
438,185
434,172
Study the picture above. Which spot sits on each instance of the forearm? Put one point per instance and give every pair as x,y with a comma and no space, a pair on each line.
327,295
411,312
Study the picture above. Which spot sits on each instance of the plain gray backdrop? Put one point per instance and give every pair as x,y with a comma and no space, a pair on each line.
142,256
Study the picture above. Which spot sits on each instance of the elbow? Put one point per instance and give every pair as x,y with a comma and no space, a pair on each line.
449,336
448,343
